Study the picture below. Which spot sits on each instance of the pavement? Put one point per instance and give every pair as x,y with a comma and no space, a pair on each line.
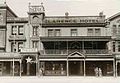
59,79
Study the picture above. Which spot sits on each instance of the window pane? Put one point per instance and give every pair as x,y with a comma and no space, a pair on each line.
73,32
90,32
113,46
57,32
50,32
35,30
20,46
20,30
35,44
97,32
14,30
114,30
118,46
13,46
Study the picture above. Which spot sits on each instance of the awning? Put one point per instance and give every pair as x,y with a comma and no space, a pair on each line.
52,59
4,60
99,59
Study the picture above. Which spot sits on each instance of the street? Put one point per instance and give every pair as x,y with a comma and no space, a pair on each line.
59,79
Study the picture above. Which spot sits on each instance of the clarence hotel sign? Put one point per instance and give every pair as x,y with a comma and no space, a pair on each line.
81,19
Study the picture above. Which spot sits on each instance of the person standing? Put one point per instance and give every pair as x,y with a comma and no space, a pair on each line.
100,72
96,71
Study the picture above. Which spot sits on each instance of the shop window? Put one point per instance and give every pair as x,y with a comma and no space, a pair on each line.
73,32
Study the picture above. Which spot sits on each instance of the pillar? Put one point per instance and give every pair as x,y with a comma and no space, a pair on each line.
13,65
37,70
67,68
84,68
20,67
28,68
114,68
81,68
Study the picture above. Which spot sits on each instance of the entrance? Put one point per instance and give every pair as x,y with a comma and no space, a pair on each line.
75,68
29,66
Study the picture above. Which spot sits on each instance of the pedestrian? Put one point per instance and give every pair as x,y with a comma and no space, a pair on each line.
100,72
41,72
96,71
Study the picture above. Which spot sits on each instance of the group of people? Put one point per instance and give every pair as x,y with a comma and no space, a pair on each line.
98,71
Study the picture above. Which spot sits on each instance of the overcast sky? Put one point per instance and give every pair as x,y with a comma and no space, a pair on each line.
74,7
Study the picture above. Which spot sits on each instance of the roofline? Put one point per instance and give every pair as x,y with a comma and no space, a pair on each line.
69,16
113,16
8,8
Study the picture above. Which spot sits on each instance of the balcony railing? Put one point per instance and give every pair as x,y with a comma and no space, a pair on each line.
66,52
51,52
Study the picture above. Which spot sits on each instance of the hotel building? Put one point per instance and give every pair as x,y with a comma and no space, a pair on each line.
58,45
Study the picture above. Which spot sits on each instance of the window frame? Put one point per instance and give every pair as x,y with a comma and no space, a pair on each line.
35,30
20,26
74,32
14,30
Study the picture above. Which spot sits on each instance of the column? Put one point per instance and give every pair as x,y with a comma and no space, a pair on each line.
20,67
13,65
114,68
81,68
67,68
37,70
28,68
84,68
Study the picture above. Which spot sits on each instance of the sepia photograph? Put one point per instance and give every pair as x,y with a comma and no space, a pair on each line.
59,41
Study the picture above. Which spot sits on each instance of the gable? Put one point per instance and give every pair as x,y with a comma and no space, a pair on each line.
76,54
115,16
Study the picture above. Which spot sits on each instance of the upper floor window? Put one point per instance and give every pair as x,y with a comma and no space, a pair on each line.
114,47
35,44
119,46
90,32
57,32
20,30
16,46
20,46
73,32
13,46
114,30
35,30
14,30
97,32
50,32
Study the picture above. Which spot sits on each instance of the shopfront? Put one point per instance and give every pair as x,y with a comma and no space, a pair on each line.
99,68
53,68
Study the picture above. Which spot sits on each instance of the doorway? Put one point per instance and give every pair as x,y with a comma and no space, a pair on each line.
28,68
75,68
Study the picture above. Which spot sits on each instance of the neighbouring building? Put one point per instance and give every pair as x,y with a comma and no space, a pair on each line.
58,45
114,24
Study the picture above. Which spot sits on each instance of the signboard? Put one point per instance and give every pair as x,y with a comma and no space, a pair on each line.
29,50
78,19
